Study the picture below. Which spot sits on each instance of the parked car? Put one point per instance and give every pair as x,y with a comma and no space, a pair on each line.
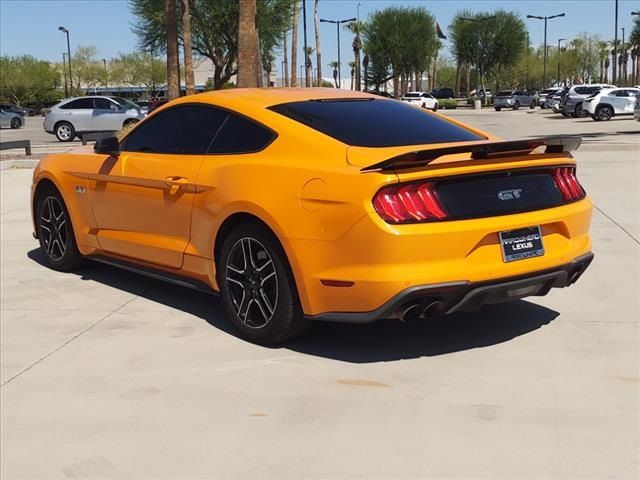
571,101
636,109
514,99
444,92
606,104
256,195
555,99
79,115
380,93
157,103
421,99
10,119
545,96
144,105
11,108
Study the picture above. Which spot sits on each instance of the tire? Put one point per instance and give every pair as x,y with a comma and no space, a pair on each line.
253,265
435,107
516,106
533,105
498,109
65,132
604,112
15,123
579,113
565,114
130,122
55,232
595,117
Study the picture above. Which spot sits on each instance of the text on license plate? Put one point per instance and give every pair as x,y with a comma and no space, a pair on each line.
521,243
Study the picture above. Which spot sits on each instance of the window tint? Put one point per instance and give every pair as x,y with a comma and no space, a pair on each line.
184,129
79,104
103,103
240,135
374,123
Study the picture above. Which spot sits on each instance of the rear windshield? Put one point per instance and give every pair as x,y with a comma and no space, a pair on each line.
374,123
412,95
506,93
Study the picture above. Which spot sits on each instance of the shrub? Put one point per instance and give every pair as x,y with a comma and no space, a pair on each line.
448,103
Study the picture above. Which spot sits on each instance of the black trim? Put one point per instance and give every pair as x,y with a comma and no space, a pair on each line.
155,273
467,296
478,151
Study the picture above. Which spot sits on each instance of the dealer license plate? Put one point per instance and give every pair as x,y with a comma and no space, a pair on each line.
521,243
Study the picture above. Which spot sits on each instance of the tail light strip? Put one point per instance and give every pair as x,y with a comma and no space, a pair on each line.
419,202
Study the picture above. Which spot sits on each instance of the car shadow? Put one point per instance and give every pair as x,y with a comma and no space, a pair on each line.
382,341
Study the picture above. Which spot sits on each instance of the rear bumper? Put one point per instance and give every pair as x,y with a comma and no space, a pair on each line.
451,297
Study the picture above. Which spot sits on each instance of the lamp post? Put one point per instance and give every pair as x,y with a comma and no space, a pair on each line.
477,21
614,67
62,29
338,23
64,74
545,18
623,70
559,40
306,50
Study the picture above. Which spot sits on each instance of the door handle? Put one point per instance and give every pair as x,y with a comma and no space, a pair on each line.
176,181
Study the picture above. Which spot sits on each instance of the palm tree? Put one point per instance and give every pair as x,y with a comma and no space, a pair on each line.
603,49
294,45
334,66
188,54
171,23
247,45
309,65
352,66
318,55
285,59
356,28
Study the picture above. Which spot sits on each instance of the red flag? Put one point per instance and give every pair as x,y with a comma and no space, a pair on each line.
439,32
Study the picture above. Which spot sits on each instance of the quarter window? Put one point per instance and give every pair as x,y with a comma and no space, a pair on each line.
240,135
104,104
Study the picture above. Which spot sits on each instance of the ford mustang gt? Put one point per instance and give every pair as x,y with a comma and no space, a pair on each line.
304,204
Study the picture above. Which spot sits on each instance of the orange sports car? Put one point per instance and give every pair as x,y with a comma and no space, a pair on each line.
304,204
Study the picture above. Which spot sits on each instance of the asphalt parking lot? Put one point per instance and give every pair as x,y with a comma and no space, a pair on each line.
105,374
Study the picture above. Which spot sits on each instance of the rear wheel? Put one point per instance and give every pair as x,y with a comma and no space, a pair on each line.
604,112
65,132
516,106
435,107
533,104
258,290
579,113
498,109
15,123
55,232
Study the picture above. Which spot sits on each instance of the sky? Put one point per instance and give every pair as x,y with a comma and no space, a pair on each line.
31,26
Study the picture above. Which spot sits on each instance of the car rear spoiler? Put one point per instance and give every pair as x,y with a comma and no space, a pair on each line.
420,158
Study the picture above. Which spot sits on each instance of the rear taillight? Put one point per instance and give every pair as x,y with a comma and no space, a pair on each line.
567,183
412,203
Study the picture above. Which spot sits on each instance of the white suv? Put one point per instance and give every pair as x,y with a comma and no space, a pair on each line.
608,103
421,99
75,116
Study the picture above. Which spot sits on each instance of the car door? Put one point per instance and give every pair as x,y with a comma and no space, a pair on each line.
142,199
428,101
629,101
5,120
78,112
106,115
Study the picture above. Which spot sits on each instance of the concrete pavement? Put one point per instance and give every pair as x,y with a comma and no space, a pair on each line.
109,375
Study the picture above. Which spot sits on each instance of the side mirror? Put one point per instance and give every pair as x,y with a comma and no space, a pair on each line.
107,146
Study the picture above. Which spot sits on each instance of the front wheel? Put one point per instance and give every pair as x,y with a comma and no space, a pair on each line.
55,232
435,107
15,123
498,109
533,105
579,112
258,290
516,106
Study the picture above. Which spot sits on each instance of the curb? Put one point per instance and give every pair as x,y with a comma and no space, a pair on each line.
18,163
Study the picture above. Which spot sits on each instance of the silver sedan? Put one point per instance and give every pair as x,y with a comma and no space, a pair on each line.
11,119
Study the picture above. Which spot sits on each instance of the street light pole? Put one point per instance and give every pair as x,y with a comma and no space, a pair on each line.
623,70
306,51
338,23
64,74
559,40
106,80
62,29
545,18
614,71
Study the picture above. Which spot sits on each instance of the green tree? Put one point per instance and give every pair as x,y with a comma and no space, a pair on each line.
214,30
334,66
634,40
88,71
27,80
139,69
390,41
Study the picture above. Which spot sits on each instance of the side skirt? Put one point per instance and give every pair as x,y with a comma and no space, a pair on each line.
155,274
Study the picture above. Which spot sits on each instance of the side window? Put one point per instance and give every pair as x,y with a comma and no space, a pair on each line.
185,129
240,135
79,104
103,104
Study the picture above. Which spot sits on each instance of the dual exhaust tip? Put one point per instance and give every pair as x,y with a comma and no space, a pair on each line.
422,309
